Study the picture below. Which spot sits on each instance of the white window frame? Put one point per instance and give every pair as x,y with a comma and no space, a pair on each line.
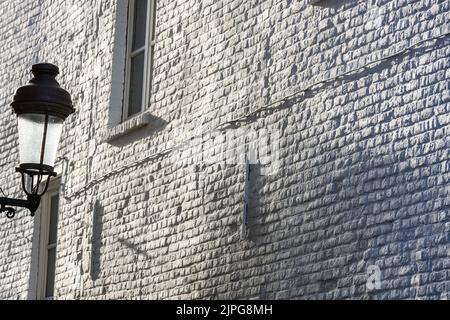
44,247
148,57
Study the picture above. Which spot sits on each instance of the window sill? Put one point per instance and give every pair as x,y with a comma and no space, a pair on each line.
126,127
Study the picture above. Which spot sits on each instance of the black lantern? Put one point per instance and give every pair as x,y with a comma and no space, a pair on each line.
41,107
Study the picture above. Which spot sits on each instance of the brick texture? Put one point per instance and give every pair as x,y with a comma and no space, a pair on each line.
359,92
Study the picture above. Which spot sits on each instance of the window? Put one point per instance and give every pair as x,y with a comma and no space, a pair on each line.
48,237
139,56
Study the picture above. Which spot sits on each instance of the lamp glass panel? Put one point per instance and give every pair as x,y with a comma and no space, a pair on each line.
54,130
31,134
136,84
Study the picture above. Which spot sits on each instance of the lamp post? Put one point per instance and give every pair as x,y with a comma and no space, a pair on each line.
41,107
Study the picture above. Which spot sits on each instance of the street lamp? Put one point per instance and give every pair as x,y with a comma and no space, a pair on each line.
41,107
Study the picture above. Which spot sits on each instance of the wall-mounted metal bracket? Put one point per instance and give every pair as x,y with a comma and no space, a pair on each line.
32,204
244,227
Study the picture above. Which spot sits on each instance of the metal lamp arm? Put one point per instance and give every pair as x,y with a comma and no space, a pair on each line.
32,204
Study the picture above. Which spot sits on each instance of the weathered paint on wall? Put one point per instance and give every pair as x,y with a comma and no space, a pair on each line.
358,92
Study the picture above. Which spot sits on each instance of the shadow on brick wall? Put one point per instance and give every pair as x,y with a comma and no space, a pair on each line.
254,214
334,4
96,240
154,126
134,248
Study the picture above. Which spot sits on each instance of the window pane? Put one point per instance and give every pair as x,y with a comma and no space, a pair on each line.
54,202
153,20
136,84
50,283
140,24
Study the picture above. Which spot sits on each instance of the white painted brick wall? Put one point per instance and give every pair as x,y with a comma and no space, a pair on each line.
364,176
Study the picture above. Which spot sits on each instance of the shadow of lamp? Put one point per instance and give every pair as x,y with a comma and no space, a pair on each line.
41,107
